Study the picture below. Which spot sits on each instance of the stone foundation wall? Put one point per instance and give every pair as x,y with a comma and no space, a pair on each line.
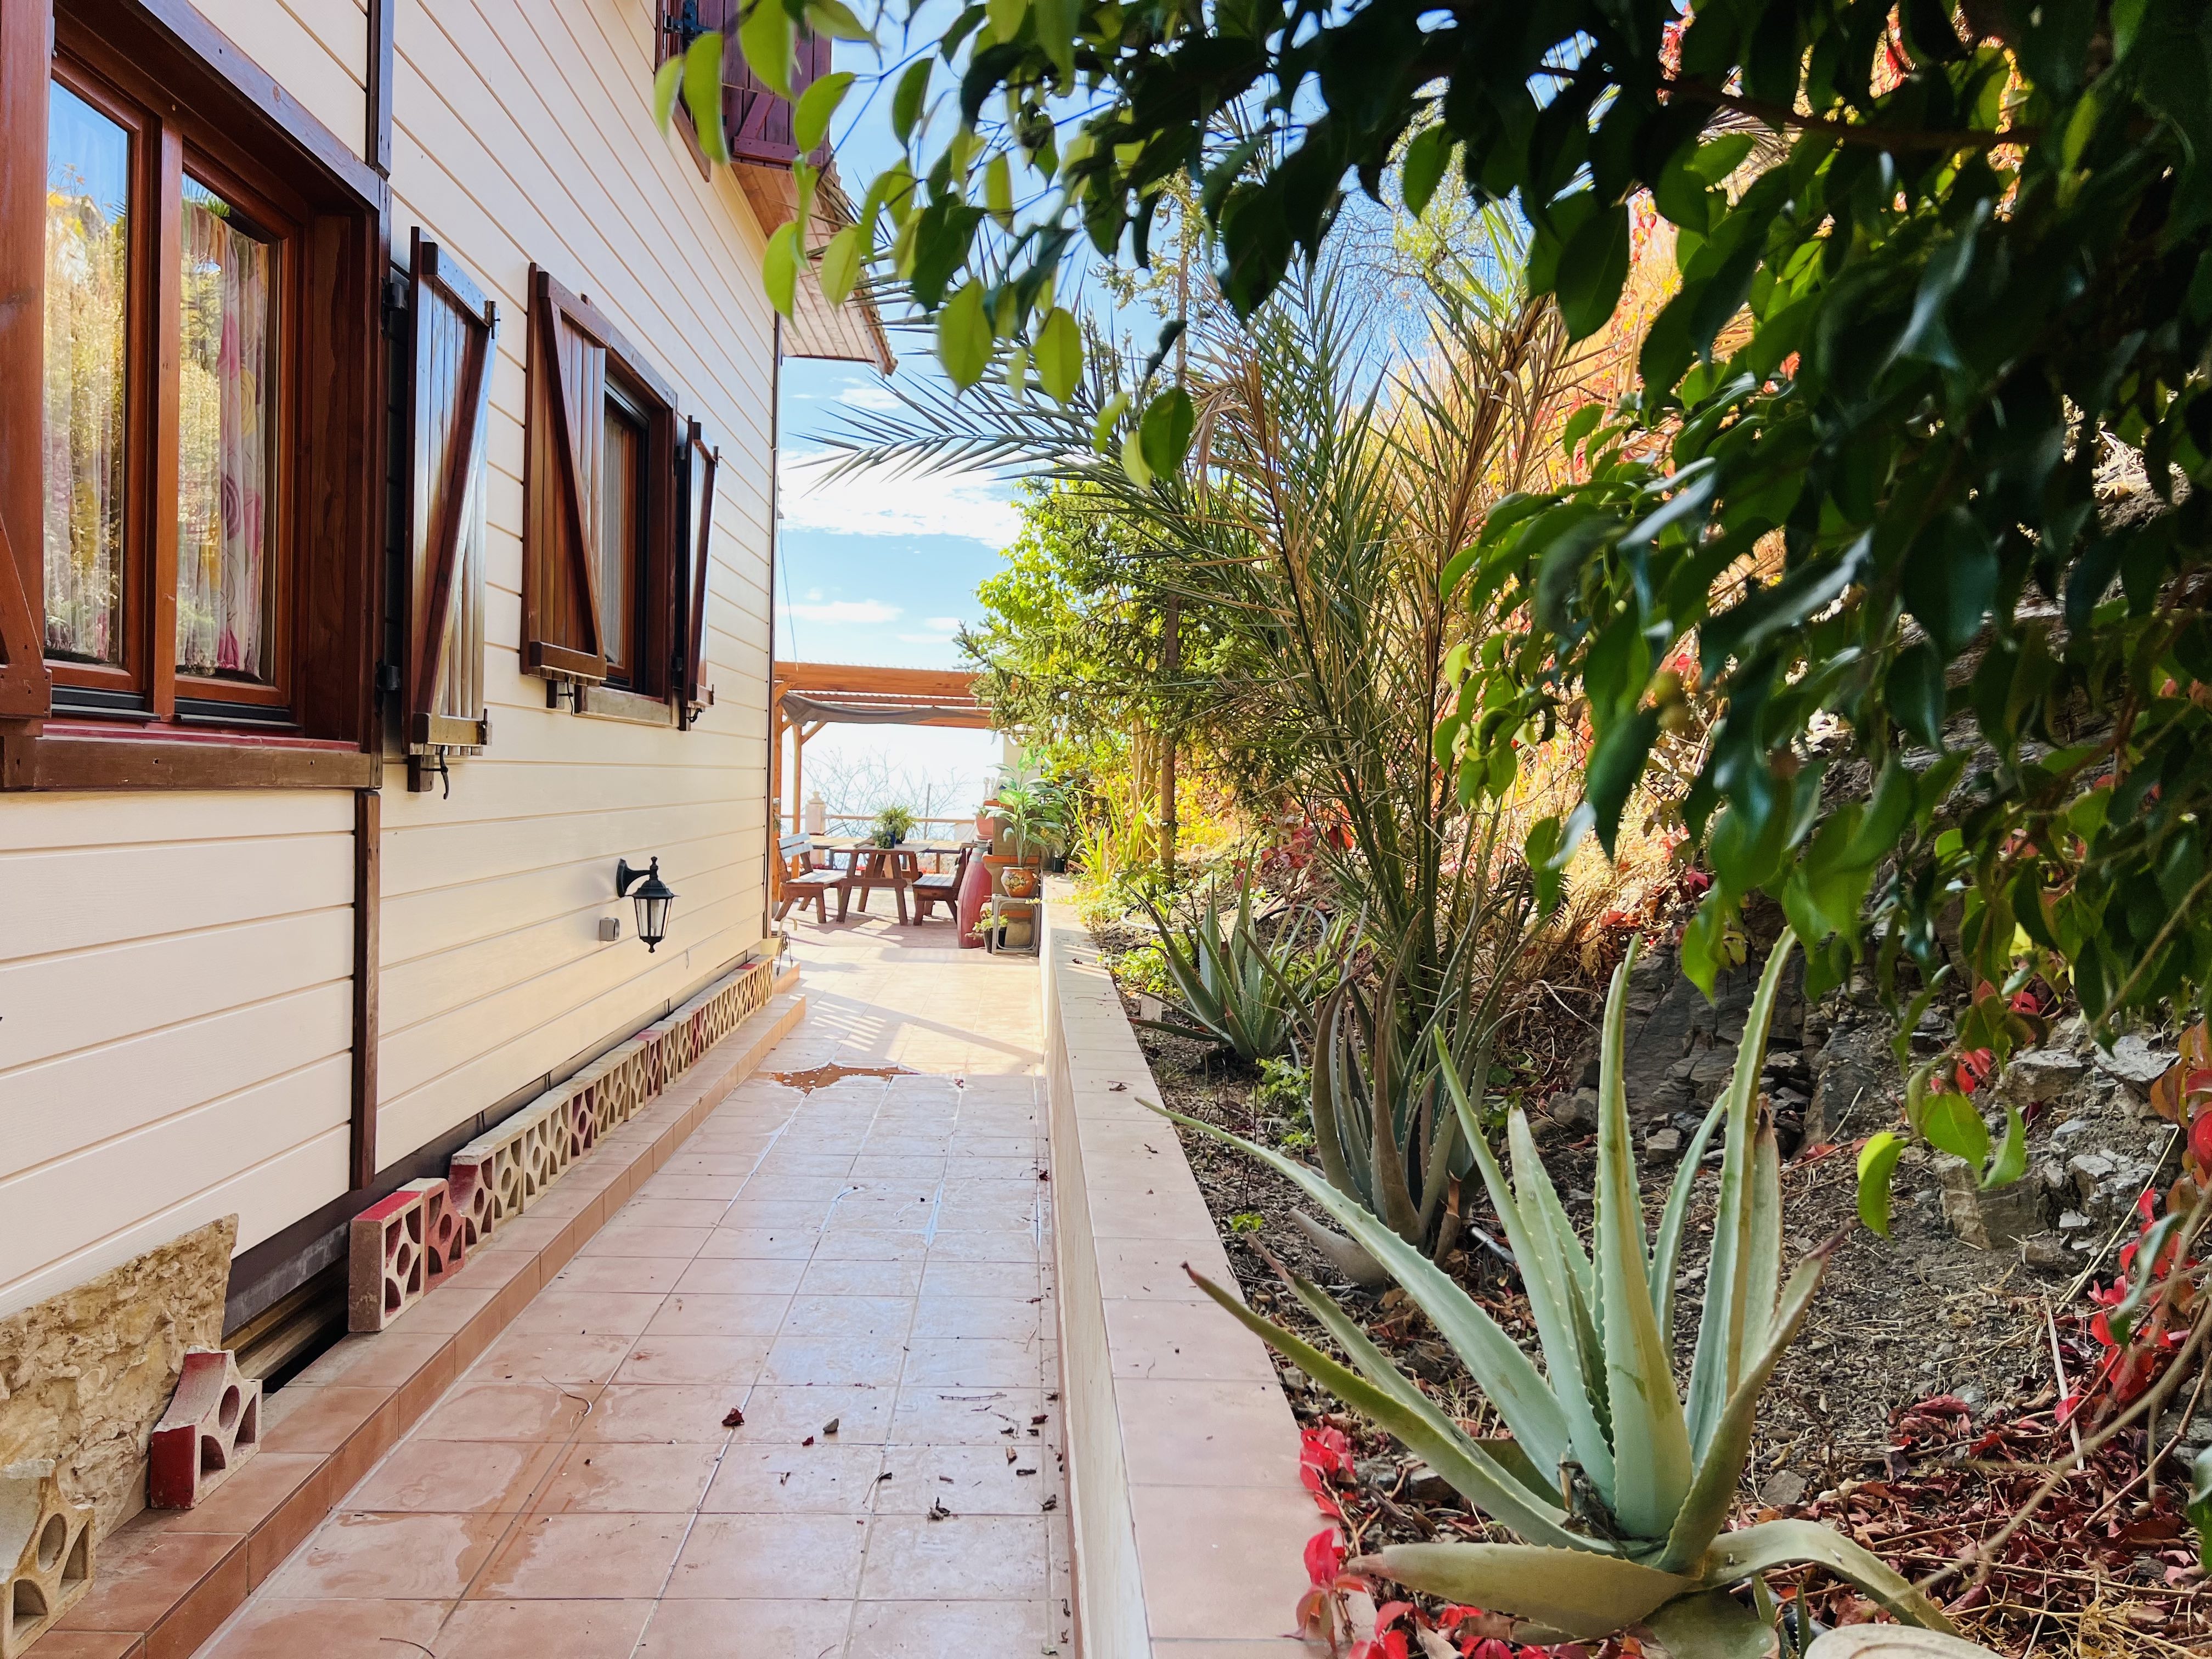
85,1376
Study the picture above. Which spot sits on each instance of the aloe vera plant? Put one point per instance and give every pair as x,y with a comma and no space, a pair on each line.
1618,1486
1243,989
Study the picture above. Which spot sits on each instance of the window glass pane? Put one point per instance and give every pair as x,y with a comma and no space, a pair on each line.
225,420
622,505
87,285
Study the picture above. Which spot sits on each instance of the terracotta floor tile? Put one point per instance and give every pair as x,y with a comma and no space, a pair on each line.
643,1212
690,1314
718,1188
729,1556
950,1276
629,1478
780,1164
620,1275
828,1478
766,1243
660,1412
562,1311
787,1415
310,1420
567,1358
870,1247
876,1360
729,1362
966,1558
618,1238
1017,1318
774,1214
741,1276
493,1409
460,1476
934,1630
993,1246
557,1557
543,1630
382,1361
254,1492
895,1276
142,1572
290,1627
747,1630
973,1362
969,1480
445,1313
849,1315
966,1417
360,1556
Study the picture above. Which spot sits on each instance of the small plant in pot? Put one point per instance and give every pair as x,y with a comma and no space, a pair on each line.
1031,814
891,826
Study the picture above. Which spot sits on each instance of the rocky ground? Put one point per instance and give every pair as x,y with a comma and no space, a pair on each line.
1919,1398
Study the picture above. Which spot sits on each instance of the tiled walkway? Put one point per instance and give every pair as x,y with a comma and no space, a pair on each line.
862,1270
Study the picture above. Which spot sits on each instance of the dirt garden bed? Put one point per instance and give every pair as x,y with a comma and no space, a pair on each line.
1917,1410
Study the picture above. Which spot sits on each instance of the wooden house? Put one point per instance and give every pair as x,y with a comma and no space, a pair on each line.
386,502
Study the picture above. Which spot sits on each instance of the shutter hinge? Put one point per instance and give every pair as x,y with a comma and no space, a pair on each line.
395,301
387,676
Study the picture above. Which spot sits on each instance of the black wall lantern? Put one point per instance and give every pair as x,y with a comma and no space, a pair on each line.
653,900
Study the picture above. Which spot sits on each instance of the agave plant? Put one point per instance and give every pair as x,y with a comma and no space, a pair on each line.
1619,1487
1240,987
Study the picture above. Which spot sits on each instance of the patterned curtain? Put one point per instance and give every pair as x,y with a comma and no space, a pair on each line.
223,431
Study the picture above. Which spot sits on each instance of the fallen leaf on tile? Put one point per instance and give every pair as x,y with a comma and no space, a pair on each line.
830,1427
1050,1505
1024,1471
1117,1088
733,1418
884,1476
783,1479
1037,1420
939,1512
808,1441
1010,1453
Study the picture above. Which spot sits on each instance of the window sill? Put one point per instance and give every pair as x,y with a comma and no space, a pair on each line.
608,703
66,754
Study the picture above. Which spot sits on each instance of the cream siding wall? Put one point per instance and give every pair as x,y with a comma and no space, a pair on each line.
174,992
175,1021
524,132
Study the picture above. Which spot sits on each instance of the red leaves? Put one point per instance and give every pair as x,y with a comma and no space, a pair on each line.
1325,1463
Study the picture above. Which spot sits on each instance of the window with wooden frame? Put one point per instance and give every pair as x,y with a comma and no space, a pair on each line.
447,401
195,544
599,529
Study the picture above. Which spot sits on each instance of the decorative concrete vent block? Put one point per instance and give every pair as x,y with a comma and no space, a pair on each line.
498,1161
212,1425
386,1268
475,1201
48,1546
620,1083
583,1123
549,1118
444,1239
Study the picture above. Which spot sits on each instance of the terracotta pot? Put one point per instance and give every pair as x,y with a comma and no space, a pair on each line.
1019,881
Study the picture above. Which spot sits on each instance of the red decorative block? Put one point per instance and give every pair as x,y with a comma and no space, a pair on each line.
385,1271
212,1425
475,1205
445,1240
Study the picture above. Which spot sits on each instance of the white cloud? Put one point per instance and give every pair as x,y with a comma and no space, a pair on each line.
942,624
869,394
926,639
974,505
846,610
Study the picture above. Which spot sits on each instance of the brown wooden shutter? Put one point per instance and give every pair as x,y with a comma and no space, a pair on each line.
758,121
563,637
702,458
449,406
27,690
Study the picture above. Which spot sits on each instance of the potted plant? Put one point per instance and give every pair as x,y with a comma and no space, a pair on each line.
1031,812
891,826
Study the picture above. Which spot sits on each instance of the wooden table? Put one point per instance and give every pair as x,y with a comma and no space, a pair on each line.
894,868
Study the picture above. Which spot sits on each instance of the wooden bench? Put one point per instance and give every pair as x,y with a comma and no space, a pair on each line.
805,883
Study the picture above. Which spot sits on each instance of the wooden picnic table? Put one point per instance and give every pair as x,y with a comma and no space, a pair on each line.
874,867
